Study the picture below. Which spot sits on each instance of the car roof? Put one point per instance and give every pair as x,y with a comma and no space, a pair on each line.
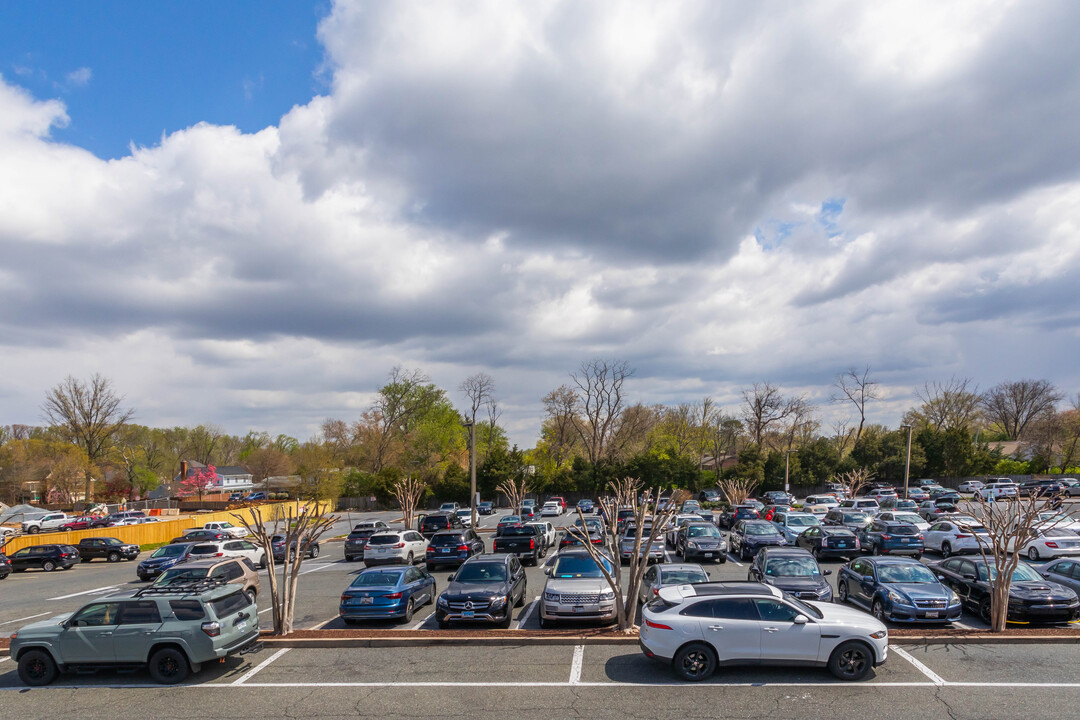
664,567
488,558
209,563
879,560
802,552
730,588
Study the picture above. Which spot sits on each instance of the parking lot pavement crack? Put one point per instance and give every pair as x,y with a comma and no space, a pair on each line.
943,701
297,707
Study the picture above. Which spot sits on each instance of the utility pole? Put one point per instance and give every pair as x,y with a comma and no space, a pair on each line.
787,466
907,462
471,425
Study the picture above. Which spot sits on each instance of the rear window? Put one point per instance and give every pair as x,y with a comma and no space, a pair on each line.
436,522
204,550
384,540
187,609
903,529
515,531
360,534
232,603
447,540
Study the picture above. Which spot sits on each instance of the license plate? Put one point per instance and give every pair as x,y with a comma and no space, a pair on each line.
383,550
933,614
242,626
468,613
367,601
445,550
708,554
578,608
904,540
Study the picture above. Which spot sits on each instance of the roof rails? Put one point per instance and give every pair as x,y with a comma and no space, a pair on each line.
196,587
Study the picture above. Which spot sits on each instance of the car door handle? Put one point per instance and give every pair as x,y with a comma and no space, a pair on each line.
716,627
104,634
770,629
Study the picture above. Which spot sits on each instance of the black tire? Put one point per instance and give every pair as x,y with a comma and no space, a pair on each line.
250,596
314,551
722,559
817,554
917,556
37,668
351,621
34,530
946,550
429,567
350,558
842,591
985,613
67,567
410,560
443,624
408,612
507,621
262,561
1033,553
546,624
878,611
113,557
875,550
169,666
694,662
48,566
851,661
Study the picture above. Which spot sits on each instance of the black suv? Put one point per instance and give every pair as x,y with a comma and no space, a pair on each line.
358,538
46,557
453,547
1040,488
487,588
107,547
5,566
435,522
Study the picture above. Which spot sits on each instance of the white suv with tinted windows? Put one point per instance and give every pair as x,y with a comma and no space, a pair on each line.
395,546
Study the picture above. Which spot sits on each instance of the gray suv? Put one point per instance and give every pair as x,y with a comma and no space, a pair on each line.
170,630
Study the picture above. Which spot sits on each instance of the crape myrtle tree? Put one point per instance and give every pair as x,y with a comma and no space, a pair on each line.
515,490
649,523
737,489
301,525
408,492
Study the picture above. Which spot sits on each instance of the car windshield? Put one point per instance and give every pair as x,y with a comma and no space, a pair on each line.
382,578
802,521
578,566
855,517
759,529
907,518
485,572
1051,518
169,551
384,540
1022,573
906,573
792,567
807,609
682,576
357,534
510,519
702,531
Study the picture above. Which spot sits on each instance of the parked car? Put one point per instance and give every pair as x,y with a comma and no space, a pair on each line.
525,541
230,548
116,518
709,495
236,497
485,508
996,490
172,631
933,510
1059,520
109,548
465,516
44,523
486,588
880,494
200,535
44,557
547,530
251,497
162,559
623,516
778,497
5,566
955,535
729,517
559,500
277,546
676,524
884,537
551,509
358,538
793,570
507,521
228,570
898,504
829,541
917,495
819,504
449,507
576,590
793,524
1072,487
78,523
911,518
1040,488
585,505
1063,572
867,505
1032,599
453,547
749,536
697,628
1049,542
701,540
851,519
836,490
660,576
527,513
575,536
436,522
385,593
652,543
395,546
236,531
690,506
897,589
970,486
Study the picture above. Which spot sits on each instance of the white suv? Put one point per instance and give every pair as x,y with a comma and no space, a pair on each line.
868,505
697,628
996,490
395,546
243,549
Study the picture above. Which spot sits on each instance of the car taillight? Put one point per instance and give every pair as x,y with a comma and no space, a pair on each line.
885,536
344,598
218,555
657,626
1051,544
532,543
824,542
463,548
919,537
213,629
656,591
430,549
399,545
856,543
393,596
962,536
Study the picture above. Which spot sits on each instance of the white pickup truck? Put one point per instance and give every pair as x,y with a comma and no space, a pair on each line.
45,523
227,527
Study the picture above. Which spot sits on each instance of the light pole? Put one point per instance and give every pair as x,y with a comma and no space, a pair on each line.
907,462
471,425
787,466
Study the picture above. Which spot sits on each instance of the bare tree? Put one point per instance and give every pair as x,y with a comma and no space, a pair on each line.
724,432
515,489
265,463
946,406
858,389
1008,522
703,414
800,422
560,407
87,414
302,526
764,407
632,431
842,436
599,386
737,489
854,481
649,525
408,492
1014,404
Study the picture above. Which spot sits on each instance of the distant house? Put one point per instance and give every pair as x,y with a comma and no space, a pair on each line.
1015,449
230,478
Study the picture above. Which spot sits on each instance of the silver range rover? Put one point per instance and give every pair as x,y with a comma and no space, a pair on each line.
626,543
576,591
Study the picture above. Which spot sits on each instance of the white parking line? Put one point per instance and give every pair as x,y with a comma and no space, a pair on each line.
84,592
421,624
732,559
8,622
325,622
4,658
930,674
266,610
253,671
575,664
527,614
317,569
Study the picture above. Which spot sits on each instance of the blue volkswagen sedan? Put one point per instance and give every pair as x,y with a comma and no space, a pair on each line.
897,589
387,592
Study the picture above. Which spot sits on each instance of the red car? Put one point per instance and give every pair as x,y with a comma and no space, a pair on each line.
562,503
79,523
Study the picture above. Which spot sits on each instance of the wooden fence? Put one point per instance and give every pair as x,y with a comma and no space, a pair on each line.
162,531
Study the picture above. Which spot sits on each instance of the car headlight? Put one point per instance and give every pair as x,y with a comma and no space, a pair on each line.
551,596
606,595
497,602
442,601
692,545
898,599
879,634
954,599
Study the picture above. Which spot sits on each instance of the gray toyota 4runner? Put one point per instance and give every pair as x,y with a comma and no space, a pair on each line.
169,630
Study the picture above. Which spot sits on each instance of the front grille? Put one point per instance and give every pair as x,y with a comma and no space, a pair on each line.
931,604
477,606
580,599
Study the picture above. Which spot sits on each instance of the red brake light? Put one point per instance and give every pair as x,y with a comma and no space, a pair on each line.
884,536
960,536
400,545
657,626
463,548
656,591
393,596
430,549
1051,544
532,543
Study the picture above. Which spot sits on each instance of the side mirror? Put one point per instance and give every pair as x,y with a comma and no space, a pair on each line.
826,572
801,619
868,578
547,570
450,579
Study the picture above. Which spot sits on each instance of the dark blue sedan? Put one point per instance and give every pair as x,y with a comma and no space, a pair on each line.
897,589
387,592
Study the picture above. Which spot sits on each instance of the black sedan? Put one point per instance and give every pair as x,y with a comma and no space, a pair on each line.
827,541
487,588
793,570
749,536
1032,598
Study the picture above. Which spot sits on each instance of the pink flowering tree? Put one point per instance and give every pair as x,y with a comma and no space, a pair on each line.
199,482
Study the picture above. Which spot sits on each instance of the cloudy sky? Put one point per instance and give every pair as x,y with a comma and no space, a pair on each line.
248,213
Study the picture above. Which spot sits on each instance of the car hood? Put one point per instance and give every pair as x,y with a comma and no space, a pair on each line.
46,627
576,585
456,589
835,614
920,591
161,560
1040,590
797,584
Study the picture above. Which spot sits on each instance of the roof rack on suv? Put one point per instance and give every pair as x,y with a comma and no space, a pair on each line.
196,587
